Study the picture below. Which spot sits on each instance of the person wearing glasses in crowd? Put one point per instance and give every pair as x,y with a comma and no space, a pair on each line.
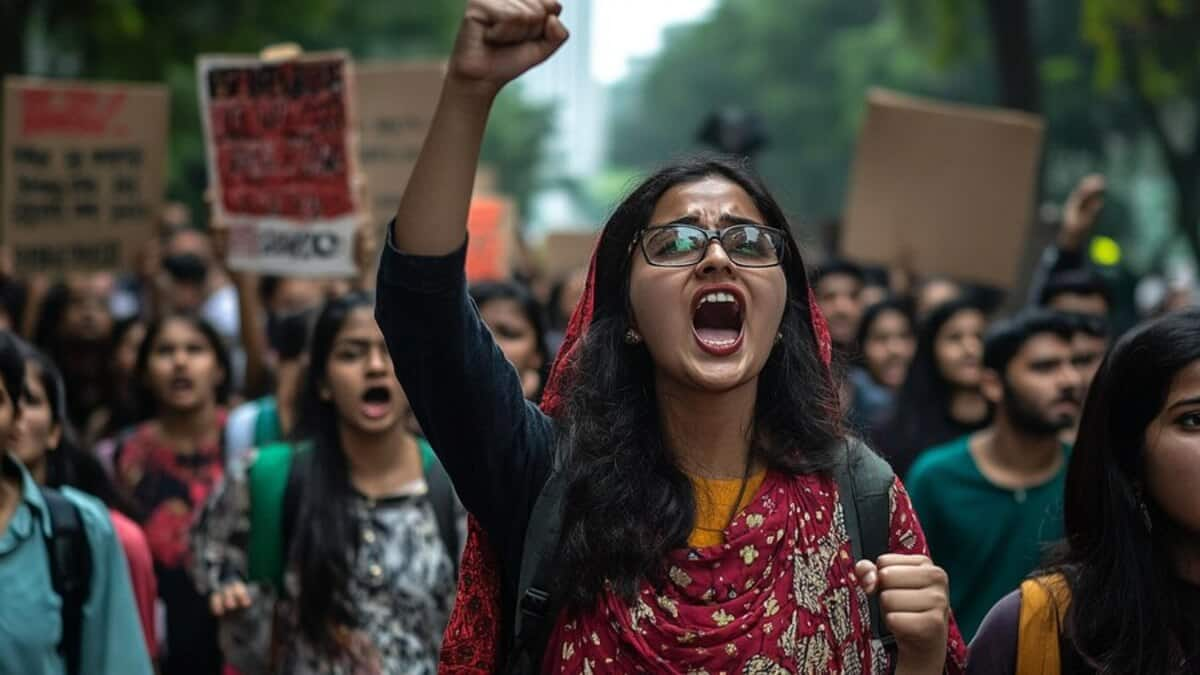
690,429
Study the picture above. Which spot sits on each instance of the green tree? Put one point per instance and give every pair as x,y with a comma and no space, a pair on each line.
804,66
1128,68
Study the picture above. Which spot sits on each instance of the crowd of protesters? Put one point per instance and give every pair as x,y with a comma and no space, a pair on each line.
661,466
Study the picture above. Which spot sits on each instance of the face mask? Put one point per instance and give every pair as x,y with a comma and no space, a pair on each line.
288,333
186,268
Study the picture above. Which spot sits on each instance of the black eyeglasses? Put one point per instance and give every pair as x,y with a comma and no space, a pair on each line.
683,245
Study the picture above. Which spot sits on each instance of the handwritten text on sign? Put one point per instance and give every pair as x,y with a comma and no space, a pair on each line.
83,172
280,161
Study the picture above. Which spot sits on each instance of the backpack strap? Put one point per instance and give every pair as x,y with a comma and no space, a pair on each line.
70,558
864,482
1044,601
444,501
537,603
266,422
268,480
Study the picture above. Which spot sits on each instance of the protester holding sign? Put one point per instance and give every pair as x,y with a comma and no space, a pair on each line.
700,426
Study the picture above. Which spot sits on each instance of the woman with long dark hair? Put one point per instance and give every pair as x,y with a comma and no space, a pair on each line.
170,463
1123,594
887,342
941,398
692,427
365,567
45,442
518,325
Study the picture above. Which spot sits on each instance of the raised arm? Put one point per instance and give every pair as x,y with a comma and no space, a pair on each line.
468,399
498,40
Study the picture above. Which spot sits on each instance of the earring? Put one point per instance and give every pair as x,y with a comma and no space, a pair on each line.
1141,502
632,337
779,337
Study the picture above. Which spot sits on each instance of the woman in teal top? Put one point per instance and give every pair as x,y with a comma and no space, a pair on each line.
31,618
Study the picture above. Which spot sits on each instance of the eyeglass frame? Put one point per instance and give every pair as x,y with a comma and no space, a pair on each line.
639,240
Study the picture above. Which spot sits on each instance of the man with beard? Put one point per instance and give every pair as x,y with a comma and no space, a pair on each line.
991,501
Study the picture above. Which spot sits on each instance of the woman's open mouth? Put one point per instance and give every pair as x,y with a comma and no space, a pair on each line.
717,322
376,403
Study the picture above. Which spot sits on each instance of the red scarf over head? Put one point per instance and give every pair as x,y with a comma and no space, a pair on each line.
471,645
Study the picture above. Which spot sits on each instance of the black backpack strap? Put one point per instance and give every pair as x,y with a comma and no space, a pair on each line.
293,494
445,511
70,558
864,487
537,603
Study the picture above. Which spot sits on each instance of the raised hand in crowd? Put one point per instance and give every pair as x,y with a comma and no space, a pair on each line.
498,40
1079,215
231,598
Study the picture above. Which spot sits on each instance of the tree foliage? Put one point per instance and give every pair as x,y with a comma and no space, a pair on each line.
804,66
1114,79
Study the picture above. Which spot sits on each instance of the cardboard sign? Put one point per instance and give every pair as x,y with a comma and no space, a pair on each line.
396,102
281,162
942,189
84,172
564,252
491,223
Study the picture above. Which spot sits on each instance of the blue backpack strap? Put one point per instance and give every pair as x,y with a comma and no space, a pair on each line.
70,558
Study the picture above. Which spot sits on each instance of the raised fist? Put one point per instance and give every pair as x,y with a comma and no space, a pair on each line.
501,39
1080,212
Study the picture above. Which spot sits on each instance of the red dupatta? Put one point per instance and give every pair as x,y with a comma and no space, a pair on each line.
471,645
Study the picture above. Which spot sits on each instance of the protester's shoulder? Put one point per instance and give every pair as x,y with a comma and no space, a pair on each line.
948,456
92,513
244,411
128,532
994,648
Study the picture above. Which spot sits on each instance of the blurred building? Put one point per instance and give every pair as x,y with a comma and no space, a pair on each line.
576,150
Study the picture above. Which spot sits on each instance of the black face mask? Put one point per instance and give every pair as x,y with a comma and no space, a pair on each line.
288,333
186,268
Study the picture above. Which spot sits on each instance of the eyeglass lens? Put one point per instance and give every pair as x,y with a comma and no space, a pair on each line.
748,245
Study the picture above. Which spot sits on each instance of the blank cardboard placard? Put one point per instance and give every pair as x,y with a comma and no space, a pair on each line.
84,172
279,136
396,102
491,223
943,189
565,251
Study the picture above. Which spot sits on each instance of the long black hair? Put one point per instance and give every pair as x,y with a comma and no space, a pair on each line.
67,463
922,415
901,306
324,540
627,502
147,406
1129,611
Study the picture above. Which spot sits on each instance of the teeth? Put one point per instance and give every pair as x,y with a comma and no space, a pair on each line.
718,297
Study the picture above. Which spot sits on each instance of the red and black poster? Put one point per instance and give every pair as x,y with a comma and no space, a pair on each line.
281,162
